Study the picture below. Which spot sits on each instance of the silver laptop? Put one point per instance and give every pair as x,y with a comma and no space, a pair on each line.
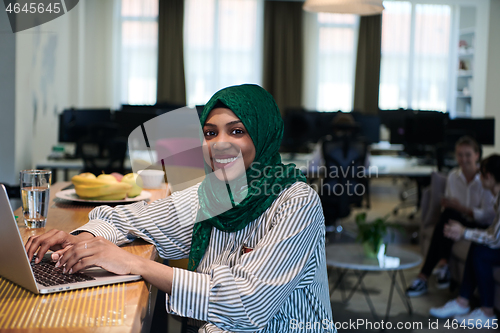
16,267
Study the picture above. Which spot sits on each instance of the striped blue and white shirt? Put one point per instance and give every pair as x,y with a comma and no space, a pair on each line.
279,286
490,236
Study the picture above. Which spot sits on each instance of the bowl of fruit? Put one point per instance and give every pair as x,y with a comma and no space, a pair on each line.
104,188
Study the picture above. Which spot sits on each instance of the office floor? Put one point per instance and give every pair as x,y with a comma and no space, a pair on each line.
385,195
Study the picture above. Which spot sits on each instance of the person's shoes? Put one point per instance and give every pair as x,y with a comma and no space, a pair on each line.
450,309
417,288
443,278
477,319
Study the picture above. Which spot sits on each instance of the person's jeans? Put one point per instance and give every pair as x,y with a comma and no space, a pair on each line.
478,273
440,247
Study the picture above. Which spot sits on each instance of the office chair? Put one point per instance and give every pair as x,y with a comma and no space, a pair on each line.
103,151
344,158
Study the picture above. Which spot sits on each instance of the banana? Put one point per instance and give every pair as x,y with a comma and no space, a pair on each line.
84,180
99,189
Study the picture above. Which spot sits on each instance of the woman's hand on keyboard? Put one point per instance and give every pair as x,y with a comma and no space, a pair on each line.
55,240
98,252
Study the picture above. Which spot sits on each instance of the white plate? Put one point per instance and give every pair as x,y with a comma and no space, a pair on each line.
71,196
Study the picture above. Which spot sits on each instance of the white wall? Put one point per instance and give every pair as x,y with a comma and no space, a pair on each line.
492,84
41,88
7,101
64,63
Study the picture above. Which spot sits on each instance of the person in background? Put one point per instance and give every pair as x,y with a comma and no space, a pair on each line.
259,266
484,254
466,201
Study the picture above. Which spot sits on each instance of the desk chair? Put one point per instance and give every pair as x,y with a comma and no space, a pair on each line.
408,198
339,191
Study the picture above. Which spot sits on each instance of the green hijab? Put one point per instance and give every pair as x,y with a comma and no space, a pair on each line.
266,177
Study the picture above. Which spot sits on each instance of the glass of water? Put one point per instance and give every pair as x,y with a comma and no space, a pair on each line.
35,187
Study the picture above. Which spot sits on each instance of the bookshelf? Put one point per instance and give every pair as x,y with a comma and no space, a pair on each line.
464,78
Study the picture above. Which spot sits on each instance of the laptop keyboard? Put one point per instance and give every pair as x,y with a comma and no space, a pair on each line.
47,274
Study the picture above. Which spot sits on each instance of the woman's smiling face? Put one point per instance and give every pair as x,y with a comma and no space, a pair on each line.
227,147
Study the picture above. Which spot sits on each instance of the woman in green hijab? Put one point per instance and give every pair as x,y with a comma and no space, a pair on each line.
253,230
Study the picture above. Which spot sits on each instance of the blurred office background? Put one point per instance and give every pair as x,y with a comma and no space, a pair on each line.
435,55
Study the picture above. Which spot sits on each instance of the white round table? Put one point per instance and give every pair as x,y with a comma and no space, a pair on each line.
345,257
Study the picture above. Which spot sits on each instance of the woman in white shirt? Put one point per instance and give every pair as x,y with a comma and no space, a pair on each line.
465,201
483,256
259,266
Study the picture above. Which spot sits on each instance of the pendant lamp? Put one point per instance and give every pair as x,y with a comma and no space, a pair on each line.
360,7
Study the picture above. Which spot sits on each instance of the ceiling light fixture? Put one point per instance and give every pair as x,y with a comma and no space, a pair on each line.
360,7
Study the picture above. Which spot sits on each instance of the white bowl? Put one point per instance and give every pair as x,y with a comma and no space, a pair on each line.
151,178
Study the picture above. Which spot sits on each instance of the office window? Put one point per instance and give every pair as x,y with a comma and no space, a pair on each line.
331,46
139,51
222,45
415,56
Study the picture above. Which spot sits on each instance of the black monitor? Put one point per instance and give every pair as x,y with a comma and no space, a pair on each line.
369,126
131,116
323,124
300,128
394,120
131,108
425,128
165,106
157,109
483,130
412,127
74,123
128,120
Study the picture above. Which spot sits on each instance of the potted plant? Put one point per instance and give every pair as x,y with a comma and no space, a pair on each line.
372,234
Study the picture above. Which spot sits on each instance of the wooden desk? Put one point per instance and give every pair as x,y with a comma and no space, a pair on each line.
123,307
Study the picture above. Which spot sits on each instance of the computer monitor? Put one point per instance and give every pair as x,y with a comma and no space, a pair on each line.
413,127
165,106
481,129
139,108
74,123
369,127
300,128
131,116
128,120
425,128
323,124
394,120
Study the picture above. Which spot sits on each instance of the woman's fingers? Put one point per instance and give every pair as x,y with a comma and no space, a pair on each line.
77,252
96,252
79,265
59,253
53,239
35,242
